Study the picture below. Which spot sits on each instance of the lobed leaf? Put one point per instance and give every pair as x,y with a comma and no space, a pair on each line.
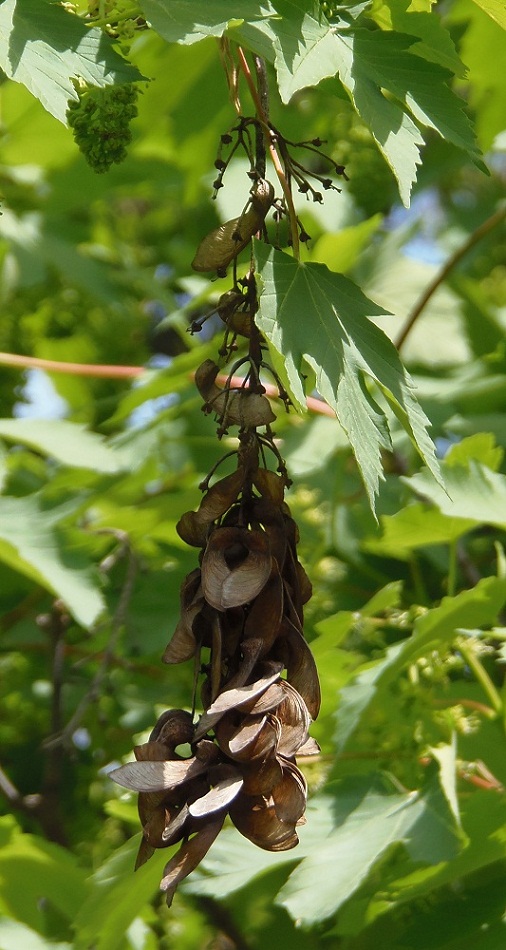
43,46
179,21
311,316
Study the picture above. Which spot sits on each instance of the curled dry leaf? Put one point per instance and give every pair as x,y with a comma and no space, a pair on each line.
301,667
257,820
243,408
145,852
270,485
193,526
267,702
310,747
227,783
294,718
183,644
157,776
250,742
235,567
260,777
221,246
189,856
235,311
236,698
175,828
264,618
174,727
290,795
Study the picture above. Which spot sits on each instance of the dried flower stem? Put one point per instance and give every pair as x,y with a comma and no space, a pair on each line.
276,161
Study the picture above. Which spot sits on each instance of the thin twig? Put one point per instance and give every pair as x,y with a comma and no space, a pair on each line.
263,93
28,804
452,261
74,369
125,372
313,404
63,737
276,161
49,811
22,610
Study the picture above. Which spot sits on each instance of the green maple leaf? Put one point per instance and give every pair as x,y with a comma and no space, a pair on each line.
43,46
313,317
178,21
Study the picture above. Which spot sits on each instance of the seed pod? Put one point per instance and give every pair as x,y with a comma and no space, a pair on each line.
221,246
235,567
244,408
235,313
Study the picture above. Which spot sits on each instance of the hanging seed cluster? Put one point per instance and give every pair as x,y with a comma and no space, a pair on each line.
241,618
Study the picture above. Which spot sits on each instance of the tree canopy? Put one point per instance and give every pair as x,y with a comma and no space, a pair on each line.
289,214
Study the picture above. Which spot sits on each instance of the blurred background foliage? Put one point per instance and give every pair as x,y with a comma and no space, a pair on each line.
405,621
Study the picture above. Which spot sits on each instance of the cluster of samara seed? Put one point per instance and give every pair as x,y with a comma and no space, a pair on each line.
241,620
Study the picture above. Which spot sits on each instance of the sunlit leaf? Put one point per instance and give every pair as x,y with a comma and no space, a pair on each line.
471,608
433,39
474,493
179,21
44,46
314,317
68,442
494,9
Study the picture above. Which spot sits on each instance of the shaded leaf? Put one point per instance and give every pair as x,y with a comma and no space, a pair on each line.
415,527
31,543
33,871
234,862
114,897
363,833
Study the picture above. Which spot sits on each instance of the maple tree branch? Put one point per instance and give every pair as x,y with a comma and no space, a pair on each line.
451,263
131,372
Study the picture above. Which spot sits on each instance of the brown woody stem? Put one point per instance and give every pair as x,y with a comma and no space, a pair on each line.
276,161
451,263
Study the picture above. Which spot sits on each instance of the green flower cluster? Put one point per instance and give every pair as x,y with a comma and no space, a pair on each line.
100,120
329,9
371,182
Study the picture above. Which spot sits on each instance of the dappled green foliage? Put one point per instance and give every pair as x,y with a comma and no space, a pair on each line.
405,842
